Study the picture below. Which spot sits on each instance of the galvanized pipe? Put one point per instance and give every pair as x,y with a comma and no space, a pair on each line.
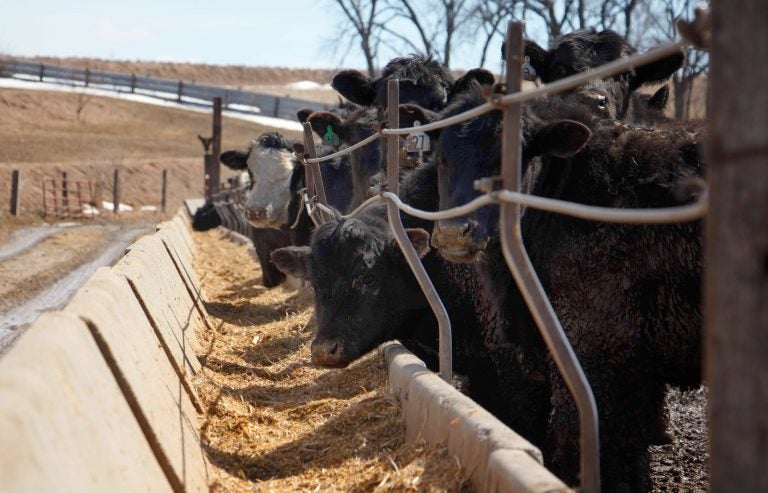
393,214
312,175
527,281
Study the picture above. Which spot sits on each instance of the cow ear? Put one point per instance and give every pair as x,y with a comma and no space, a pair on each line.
410,113
234,159
303,114
419,239
560,139
326,123
658,100
536,56
657,71
291,260
476,75
355,86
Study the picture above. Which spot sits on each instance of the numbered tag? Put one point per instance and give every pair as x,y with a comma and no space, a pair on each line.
330,138
417,141
529,73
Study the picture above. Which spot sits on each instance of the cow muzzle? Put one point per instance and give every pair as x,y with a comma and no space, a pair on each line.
260,217
458,241
328,353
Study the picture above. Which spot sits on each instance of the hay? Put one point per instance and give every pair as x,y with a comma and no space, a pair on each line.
274,422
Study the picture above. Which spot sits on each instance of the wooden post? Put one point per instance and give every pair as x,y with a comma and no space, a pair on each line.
276,112
87,77
181,90
116,192
164,192
736,248
42,72
133,83
64,194
15,179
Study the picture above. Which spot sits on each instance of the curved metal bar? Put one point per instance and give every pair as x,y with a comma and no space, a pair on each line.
344,151
662,215
611,68
410,254
528,282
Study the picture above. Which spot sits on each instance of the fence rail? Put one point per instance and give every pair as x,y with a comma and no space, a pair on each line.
187,92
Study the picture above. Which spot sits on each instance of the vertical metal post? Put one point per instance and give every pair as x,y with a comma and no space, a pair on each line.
736,248
276,110
312,174
527,280
133,83
164,192
215,170
15,179
410,254
116,192
42,72
87,80
180,91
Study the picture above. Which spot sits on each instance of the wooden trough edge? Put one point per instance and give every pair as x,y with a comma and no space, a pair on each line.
495,458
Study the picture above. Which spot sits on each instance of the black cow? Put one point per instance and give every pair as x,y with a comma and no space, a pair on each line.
422,80
365,294
628,296
586,49
264,240
337,182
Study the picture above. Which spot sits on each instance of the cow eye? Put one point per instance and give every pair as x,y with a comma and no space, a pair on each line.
368,279
602,102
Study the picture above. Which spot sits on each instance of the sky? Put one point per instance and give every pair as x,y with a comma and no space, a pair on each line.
277,33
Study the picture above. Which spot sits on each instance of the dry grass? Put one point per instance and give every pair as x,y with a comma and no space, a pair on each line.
274,422
42,135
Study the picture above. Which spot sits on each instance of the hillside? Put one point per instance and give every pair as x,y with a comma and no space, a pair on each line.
42,133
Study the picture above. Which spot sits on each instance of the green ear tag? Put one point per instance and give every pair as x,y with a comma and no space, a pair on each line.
330,138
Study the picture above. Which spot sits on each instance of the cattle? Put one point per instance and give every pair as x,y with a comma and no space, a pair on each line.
343,129
269,161
628,296
365,294
585,49
337,182
264,240
422,81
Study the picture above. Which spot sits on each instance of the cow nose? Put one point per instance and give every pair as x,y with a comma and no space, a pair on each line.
257,215
327,353
453,234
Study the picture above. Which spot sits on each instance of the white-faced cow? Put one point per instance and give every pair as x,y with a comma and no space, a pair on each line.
269,161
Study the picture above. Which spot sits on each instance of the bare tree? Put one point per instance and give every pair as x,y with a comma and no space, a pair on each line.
360,16
437,22
490,17
555,14
662,15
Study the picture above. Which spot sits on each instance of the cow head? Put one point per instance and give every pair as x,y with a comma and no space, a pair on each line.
470,151
422,81
585,49
269,162
364,292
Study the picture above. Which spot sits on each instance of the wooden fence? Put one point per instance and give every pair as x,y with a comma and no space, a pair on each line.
178,90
